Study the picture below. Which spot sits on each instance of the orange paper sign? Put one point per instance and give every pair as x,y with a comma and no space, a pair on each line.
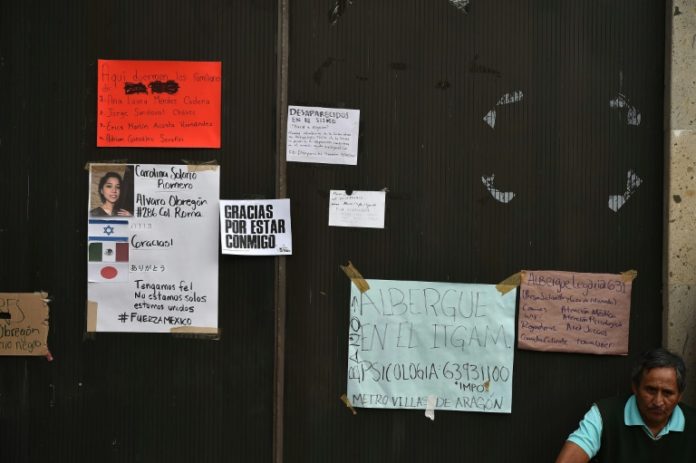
163,104
574,312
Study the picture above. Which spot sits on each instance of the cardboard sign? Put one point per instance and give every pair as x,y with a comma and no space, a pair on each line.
410,340
164,104
152,248
323,135
574,312
23,324
256,227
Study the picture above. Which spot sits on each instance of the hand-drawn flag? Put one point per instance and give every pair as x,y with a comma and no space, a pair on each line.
107,272
107,230
108,251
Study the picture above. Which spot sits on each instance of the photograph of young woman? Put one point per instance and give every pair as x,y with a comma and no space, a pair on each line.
110,195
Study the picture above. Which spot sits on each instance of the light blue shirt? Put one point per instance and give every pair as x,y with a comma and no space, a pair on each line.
589,435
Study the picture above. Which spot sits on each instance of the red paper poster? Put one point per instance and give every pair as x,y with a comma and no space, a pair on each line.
159,104
575,312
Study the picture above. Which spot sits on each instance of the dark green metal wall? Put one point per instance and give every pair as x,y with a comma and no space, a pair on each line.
423,74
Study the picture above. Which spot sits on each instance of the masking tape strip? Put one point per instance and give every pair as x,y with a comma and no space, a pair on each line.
194,329
111,161
92,309
43,295
355,276
510,283
194,166
345,400
629,275
199,332
430,407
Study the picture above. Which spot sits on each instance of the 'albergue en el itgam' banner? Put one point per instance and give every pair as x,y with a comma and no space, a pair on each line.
408,340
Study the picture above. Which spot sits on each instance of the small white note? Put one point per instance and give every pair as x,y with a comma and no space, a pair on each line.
364,209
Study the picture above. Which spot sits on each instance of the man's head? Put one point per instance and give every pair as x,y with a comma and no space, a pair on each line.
659,379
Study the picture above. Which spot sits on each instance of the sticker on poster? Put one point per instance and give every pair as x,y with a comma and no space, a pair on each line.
152,247
165,104
574,312
256,227
323,135
411,340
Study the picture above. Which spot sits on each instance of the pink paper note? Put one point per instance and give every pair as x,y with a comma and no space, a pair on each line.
574,312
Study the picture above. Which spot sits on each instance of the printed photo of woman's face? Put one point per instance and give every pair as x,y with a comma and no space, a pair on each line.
111,191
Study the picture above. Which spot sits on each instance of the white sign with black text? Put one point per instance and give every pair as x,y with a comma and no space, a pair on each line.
256,227
323,135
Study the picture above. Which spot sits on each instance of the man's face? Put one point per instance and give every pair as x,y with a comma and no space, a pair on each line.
657,395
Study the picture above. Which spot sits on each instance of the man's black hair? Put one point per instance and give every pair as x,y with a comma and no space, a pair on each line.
660,358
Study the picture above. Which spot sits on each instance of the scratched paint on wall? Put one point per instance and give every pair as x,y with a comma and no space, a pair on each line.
462,5
632,184
337,11
622,103
500,196
505,99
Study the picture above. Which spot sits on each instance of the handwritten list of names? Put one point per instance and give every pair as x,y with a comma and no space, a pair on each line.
168,104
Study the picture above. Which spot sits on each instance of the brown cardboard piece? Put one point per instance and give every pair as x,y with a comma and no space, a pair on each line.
574,312
23,324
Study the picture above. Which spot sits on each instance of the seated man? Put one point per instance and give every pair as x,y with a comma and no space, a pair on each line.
648,426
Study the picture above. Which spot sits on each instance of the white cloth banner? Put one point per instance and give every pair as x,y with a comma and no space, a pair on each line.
408,340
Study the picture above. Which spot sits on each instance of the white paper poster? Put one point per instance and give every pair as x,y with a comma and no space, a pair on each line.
357,209
256,227
410,340
153,248
323,135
